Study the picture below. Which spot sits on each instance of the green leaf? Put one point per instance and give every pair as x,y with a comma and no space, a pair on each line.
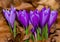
39,31
43,33
46,32
27,40
32,37
38,34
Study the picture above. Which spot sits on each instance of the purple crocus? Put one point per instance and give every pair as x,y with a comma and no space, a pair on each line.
10,16
52,19
44,16
34,18
23,17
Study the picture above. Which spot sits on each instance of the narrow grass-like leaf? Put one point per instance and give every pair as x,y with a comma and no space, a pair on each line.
46,32
38,34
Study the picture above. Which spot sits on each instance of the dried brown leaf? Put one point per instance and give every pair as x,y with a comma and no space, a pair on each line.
26,37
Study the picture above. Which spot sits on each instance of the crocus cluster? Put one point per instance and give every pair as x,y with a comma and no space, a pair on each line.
39,19
43,17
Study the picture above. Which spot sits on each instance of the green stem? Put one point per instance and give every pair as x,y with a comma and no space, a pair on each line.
26,31
35,37
10,29
14,31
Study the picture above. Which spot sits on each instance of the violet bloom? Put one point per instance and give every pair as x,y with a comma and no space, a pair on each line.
34,18
10,16
23,17
52,19
44,16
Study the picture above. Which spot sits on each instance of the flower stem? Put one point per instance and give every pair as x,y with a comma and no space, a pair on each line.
26,31
14,31
35,37
10,29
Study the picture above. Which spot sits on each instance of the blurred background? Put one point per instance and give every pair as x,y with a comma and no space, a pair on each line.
5,34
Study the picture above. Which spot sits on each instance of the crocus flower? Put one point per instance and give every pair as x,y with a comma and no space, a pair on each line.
34,18
23,17
52,19
44,16
10,16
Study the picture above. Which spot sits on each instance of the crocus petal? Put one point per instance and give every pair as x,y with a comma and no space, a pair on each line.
52,19
12,18
44,17
12,8
43,9
34,18
32,30
6,14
